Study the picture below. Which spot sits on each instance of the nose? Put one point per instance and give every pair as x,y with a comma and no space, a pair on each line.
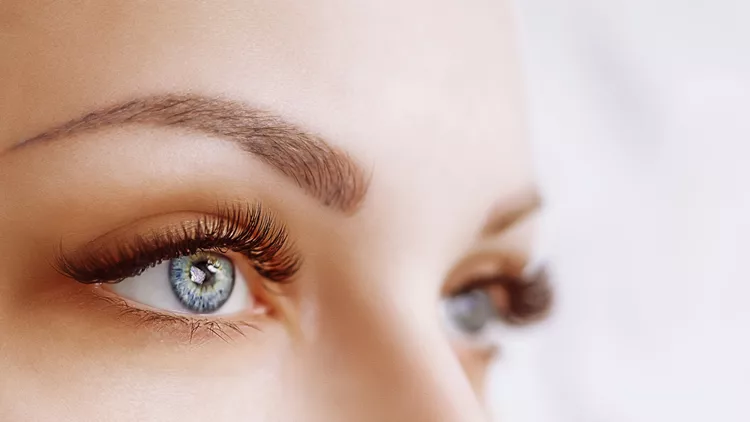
379,359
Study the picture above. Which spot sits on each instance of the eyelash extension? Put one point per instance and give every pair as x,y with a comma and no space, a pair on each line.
530,297
248,230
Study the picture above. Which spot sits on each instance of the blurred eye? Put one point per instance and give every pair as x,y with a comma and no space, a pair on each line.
477,311
202,283
470,312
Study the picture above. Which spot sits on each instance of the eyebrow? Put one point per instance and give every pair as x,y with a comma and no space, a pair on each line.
512,211
323,171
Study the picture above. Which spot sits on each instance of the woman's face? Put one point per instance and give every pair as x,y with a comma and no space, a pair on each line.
313,211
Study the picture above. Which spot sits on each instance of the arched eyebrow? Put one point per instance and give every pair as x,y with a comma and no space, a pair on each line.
511,211
323,171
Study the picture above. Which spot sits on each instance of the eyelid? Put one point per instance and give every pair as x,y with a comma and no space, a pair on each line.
183,327
527,298
243,228
483,264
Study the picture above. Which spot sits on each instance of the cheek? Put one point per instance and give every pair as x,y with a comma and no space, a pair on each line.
85,361
113,392
476,366
118,377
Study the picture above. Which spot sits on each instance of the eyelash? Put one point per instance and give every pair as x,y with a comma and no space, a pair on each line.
248,230
530,296
186,328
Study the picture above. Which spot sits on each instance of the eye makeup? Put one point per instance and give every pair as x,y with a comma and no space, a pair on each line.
516,299
491,288
229,244
248,230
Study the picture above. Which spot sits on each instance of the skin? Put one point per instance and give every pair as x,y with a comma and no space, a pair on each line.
424,95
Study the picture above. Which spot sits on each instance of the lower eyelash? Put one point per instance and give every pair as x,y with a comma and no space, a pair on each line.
189,329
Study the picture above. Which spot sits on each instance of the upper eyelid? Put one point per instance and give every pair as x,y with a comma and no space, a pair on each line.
154,224
485,263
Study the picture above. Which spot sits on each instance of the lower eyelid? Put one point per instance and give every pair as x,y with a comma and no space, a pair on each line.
182,328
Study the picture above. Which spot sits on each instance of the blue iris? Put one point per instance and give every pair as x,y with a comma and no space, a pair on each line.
471,311
202,282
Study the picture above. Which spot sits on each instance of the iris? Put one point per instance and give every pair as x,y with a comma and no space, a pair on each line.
203,281
471,311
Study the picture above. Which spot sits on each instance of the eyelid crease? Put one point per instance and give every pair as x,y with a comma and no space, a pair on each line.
248,230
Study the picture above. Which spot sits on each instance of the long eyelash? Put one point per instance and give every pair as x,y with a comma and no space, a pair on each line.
530,297
248,230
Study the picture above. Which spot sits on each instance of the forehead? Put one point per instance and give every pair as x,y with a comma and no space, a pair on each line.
423,92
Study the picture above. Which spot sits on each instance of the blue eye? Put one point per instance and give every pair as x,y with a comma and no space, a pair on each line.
202,282
478,313
471,312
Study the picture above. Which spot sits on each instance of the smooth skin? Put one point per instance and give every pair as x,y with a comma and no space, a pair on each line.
424,95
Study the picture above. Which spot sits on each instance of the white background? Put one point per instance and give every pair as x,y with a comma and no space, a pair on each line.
640,115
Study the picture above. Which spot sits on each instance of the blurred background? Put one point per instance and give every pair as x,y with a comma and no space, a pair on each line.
639,115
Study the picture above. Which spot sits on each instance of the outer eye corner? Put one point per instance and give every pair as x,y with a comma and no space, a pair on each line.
532,299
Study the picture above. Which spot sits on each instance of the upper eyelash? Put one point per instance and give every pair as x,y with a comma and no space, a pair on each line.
530,296
248,230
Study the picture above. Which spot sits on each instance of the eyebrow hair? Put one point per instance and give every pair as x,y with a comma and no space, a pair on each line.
323,171
512,211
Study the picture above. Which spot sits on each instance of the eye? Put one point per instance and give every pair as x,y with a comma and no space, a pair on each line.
201,283
476,312
470,314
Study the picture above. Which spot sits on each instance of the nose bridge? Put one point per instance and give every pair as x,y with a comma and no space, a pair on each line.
387,360
425,379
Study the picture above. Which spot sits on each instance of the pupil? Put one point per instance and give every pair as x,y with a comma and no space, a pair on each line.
201,273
